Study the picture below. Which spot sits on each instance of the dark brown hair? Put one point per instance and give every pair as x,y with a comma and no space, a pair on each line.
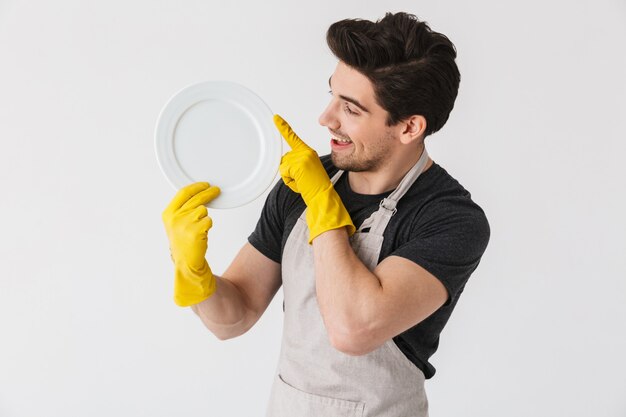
412,68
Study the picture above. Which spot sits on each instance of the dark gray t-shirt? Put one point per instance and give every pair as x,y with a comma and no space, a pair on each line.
437,226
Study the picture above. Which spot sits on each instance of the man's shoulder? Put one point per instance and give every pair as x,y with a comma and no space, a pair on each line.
442,212
448,200
439,184
438,194
438,178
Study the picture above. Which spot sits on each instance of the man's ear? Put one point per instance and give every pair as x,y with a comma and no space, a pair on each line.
413,128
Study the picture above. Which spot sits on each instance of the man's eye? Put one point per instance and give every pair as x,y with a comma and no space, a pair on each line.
348,110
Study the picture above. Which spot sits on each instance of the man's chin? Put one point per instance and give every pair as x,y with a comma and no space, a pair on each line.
345,164
338,162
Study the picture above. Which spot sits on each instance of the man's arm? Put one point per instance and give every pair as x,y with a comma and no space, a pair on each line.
363,309
243,293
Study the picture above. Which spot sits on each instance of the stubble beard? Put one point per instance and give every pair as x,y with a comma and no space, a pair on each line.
351,163
379,152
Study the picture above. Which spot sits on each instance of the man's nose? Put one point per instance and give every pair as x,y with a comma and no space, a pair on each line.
328,119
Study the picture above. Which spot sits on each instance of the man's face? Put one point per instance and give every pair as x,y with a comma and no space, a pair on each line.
354,115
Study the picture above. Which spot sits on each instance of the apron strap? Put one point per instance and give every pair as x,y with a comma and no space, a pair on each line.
336,177
379,220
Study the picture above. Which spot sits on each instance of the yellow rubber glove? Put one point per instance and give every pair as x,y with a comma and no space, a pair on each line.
303,172
187,224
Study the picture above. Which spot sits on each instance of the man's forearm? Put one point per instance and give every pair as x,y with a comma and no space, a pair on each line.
224,313
346,290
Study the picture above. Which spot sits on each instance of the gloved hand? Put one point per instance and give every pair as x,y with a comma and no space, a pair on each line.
187,224
303,172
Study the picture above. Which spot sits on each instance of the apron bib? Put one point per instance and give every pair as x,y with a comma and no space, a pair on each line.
313,378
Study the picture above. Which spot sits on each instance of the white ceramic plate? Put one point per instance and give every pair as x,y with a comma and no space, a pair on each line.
222,133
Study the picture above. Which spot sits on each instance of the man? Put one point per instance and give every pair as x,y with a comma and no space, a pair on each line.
373,244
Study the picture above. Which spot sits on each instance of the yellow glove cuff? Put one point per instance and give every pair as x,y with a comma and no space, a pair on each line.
325,212
192,287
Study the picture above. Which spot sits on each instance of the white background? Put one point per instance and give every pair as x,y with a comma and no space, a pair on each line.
87,322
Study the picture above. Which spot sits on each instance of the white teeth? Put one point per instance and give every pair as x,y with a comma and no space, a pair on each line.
342,140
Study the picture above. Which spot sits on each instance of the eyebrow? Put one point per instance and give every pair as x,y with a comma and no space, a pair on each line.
349,99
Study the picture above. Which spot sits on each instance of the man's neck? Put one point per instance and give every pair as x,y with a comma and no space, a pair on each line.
386,178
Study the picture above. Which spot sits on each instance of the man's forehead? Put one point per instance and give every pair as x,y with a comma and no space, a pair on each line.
352,86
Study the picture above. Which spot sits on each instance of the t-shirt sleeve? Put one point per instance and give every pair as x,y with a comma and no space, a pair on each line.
268,233
449,245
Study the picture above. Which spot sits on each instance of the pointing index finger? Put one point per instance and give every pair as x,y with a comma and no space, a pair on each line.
287,132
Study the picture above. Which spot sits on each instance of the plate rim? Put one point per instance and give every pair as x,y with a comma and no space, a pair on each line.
170,115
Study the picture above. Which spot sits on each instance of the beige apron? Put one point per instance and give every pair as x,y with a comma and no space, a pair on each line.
313,378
